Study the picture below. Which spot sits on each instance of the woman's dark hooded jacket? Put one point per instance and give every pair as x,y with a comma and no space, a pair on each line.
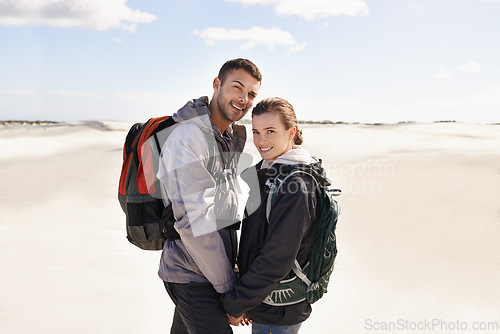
268,250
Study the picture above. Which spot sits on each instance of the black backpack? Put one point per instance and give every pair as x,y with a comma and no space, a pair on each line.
310,282
149,223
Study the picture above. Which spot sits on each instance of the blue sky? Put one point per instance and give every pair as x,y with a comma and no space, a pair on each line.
344,60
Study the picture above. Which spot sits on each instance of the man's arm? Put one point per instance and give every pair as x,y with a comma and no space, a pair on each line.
191,189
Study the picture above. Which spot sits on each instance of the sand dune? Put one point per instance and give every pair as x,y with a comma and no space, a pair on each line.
419,232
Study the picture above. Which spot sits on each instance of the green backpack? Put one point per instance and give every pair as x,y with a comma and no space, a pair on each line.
310,282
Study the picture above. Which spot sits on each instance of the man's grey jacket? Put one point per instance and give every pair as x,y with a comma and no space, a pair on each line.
197,171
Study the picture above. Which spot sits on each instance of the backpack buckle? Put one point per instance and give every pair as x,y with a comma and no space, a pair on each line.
313,286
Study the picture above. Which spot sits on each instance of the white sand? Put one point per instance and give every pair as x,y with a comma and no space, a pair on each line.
418,237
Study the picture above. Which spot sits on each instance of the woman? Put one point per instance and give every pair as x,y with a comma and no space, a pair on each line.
270,243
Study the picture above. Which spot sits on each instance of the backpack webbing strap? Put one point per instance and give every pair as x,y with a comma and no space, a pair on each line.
300,274
157,142
212,149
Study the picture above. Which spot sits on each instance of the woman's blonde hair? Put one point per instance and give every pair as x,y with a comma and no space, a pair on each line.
286,112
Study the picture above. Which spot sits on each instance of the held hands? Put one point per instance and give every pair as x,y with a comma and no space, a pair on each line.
243,319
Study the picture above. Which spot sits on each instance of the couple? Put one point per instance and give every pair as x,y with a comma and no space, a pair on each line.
198,269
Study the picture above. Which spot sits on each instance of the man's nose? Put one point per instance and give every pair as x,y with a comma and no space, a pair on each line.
244,98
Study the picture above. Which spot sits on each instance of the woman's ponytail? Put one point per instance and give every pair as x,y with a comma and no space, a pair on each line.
298,140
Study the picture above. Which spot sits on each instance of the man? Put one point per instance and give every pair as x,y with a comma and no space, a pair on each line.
198,176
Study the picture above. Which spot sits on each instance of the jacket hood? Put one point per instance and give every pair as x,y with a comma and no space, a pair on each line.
295,159
297,155
192,109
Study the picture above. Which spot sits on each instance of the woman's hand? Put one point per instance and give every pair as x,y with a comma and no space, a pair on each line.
243,319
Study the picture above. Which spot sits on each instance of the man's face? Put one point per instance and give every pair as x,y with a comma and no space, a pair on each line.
236,95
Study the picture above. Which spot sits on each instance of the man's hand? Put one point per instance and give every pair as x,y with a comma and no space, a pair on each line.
243,319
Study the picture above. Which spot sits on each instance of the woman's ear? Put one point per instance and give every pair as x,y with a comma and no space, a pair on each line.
292,130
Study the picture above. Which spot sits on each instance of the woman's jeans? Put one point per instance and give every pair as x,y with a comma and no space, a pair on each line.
268,329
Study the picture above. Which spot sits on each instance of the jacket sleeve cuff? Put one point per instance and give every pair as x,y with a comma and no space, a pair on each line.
231,306
223,288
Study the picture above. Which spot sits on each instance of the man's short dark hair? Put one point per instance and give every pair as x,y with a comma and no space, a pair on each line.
238,63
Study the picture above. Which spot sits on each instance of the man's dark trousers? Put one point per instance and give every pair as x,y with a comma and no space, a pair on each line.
198,309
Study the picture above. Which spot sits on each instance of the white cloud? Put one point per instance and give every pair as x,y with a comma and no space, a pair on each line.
252,37
470,67
88,14
297,48
415,6
443,74
17,92
313,9
490,0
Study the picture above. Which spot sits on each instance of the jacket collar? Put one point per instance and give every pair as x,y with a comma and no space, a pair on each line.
199,108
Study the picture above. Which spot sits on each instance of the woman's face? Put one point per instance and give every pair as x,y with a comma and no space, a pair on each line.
270,137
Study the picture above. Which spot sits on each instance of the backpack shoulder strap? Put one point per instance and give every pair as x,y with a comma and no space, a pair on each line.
276,185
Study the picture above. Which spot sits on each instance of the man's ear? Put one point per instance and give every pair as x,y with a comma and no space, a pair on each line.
217,84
